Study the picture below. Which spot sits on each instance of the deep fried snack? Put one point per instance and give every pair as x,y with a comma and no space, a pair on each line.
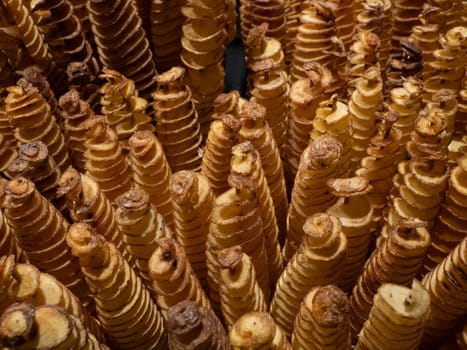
323,321
193,327
320,162
151,171
396,319
256,130
259,47
124,307
39,230
222,136
239,290
105,161
257,330
24,326
398,260
172,278
140,225
7,241
318,261
193,201
355,212
177,124
447,288
33,120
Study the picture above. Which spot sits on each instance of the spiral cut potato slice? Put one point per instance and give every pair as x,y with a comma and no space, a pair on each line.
25,283
24,326
76,115
396,318
379,165
215,165
406,101
177,124
124,306
193,327
304,98
203,50
366,101
323,321
239,290
231,23
408,64
105,161
35,163
292,13
82,13
257,330
313,41
140,226
31,116
123,109
405,16
259,47
447,288
39,230
18,13
62,32
355,212
86,203
7,241
172,278
193,201
376,17
82,77
363,55
272,12
236,220
421,181
8,142
166,32
320,162
398,260
151,171
451,223
317,262
271,90
256,130
246,163
447,68
121,41
228,103
333,118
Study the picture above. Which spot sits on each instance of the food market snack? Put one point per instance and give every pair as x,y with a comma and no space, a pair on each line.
256,130
355,212
320,162
172,278
222,136
318,261
193,200
124,306
323,320
408,64
31,116
123,109
396,319
177,125
271,90
39,230
192,327
105,161
239,290
125,50
398,260
246,163
405,16
140,226
257,330
151,171
24,326
236,220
